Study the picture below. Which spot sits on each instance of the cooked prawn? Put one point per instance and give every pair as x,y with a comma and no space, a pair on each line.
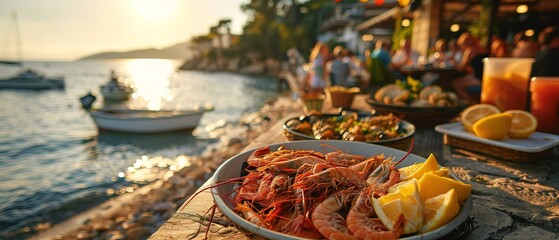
327,219
291,166
331,177
363,224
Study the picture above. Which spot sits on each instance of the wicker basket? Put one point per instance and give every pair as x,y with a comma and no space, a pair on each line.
341,97
312,102
506,154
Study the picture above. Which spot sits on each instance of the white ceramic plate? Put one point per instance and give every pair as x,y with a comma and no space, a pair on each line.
232,169
537,142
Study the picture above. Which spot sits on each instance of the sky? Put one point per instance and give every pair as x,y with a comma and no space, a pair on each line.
66,30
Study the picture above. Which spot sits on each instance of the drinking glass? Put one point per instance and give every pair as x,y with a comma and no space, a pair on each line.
505,82
545,103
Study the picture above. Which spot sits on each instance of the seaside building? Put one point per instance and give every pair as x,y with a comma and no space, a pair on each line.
342,28
433,19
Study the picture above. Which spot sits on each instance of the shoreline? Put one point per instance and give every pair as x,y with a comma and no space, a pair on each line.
139,214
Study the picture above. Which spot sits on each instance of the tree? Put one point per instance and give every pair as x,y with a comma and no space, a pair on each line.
277,25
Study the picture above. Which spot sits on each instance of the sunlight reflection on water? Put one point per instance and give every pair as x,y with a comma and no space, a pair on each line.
150,78
55,162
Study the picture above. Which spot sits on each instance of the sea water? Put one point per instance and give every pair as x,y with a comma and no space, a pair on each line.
55,163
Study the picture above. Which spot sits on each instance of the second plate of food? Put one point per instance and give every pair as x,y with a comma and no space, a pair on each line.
387,129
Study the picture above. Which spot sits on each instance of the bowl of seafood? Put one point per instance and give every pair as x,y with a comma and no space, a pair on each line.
332,188
427,108
387,130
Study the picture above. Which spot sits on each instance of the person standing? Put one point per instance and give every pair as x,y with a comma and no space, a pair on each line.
380,73
381,53
498,47
405,56
468,86
295,60
454,53
339,70
318,57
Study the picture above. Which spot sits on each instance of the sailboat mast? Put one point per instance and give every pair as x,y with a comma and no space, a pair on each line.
18,37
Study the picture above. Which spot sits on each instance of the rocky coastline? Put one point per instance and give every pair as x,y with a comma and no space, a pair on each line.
268,67
139,214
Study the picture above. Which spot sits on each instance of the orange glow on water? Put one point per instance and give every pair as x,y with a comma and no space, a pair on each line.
150,78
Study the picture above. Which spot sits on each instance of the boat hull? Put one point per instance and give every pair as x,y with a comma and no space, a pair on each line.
146,121
32,84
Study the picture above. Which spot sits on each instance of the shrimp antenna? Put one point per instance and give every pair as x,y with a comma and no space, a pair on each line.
407,154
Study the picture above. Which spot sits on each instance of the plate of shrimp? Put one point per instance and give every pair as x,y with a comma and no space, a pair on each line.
317,189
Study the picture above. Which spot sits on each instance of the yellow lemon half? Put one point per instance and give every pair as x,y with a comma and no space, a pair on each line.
476,112
432,185
494,127
523,124
417,170
439,210
402,198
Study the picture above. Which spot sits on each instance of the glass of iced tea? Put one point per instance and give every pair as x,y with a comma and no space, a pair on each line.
545,103
505,82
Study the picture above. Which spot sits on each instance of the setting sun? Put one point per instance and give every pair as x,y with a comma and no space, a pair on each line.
154,11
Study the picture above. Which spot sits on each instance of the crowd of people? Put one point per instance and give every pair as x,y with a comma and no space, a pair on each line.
380,65
338,67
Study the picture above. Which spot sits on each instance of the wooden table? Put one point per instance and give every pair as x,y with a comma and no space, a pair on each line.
504,193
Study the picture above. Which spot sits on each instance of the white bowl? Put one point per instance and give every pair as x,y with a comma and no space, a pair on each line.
232,169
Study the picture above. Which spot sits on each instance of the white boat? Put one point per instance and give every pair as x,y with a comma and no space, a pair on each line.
116,90
142,121
145,121
32,80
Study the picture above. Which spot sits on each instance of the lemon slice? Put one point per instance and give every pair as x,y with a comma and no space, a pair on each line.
476,112
439,210
443,172
494,127
431,185
523,124
403,198
417,170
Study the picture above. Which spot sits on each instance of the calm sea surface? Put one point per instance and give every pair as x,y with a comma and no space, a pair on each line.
53,161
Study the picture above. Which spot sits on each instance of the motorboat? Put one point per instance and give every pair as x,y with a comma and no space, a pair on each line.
29,79
142,121
145,121
116,90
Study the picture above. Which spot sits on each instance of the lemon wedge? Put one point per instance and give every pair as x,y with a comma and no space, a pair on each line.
402,198
417,170
476,112
439,210
494,127
431,185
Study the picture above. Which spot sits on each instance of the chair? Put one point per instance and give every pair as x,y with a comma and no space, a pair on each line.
293,84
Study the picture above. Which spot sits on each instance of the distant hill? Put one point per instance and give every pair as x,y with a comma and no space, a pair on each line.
177,51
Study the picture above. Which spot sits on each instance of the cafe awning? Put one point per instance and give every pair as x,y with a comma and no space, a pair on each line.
377,19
